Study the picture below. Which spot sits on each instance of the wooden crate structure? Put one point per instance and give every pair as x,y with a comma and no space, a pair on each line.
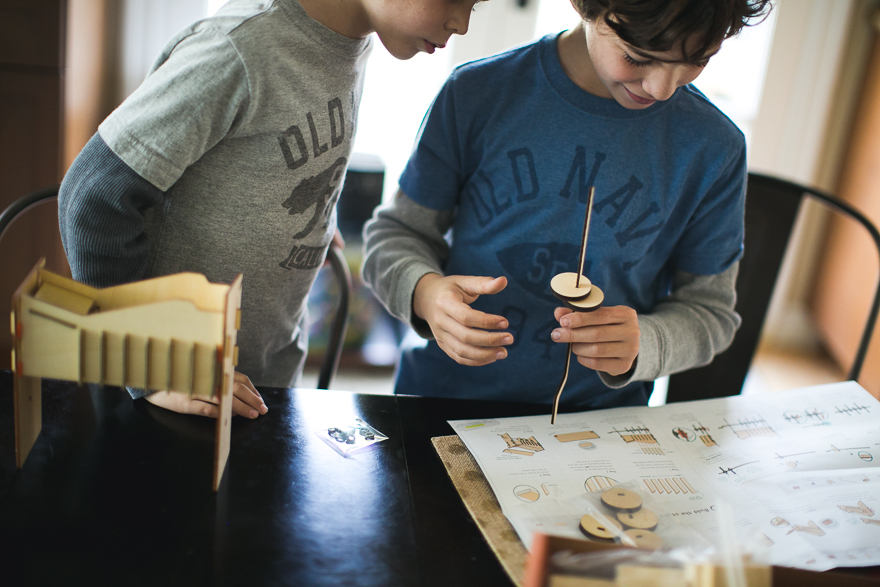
176,332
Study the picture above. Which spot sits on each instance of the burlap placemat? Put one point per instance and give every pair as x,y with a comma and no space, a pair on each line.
480,501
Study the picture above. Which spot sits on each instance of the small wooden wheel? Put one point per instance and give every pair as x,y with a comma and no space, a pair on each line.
642,519
593,528
622,500
644,539
565,286
593,300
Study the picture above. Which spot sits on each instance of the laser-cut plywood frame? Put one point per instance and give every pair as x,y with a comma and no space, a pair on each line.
175,332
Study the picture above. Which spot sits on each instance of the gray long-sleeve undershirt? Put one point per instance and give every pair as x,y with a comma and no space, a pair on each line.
101,206
404,241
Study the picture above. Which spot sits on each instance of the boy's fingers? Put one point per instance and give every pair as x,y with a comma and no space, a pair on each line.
246,381
244,391
477,328
612,366
471,318
604,316
241,408
204,408
598,334
244,396
183,404
581,319
479,285
559,312
479,338
469,355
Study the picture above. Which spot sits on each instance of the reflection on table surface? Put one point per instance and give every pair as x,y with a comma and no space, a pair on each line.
117,491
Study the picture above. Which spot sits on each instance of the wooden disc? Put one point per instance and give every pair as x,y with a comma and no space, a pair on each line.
642,519
622,500
565,286
644,539
593,528
589,303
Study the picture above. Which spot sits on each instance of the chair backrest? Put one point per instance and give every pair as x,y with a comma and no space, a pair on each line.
25,203
335,258
330,362
771,209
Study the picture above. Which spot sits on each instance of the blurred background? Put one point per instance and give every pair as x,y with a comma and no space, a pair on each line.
804,87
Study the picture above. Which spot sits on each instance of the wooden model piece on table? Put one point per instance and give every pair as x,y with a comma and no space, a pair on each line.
543,569
578,293
176,332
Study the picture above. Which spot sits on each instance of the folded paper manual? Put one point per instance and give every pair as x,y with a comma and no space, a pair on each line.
799,468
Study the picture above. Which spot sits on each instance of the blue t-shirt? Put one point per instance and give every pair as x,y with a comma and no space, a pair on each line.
513,146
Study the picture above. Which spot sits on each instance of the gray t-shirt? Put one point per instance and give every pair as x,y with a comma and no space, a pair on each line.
246,122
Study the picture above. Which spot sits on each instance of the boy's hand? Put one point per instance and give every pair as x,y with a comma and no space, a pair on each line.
246,401
461,331
606,339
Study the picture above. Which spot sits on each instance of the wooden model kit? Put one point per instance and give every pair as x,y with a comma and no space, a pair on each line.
577,292
554,560
176,332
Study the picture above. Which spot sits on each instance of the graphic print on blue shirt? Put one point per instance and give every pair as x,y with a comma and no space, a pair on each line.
531,265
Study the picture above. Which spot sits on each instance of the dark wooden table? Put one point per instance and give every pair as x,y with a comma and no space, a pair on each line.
118,492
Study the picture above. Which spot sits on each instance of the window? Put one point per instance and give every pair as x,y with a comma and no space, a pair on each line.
734,78
398,93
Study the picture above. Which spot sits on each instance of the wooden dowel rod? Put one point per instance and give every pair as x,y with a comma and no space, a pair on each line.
586,232
561,386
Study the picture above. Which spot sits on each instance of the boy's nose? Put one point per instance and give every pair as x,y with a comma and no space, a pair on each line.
661,84
459,19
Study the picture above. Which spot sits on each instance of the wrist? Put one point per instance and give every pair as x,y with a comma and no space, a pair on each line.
418,300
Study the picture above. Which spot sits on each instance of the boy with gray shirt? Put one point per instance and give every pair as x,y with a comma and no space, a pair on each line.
229,159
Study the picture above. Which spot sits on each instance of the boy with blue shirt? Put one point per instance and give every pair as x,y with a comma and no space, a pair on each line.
229,159
505,160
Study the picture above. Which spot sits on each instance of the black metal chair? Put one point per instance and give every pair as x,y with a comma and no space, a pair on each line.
330,363
771,209
335,258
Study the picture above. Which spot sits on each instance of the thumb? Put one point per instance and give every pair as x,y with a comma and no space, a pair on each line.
480,285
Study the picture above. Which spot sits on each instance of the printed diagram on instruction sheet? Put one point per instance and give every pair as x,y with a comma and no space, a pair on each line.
797,466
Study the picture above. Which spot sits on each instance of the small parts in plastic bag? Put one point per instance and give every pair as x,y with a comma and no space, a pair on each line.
644,539
643,519
341,435
348,434
600,530
350,437
624,520
619,499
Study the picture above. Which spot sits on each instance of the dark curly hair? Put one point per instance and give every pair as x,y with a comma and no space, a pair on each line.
661,25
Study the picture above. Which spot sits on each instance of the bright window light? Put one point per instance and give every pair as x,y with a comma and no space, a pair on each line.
213,6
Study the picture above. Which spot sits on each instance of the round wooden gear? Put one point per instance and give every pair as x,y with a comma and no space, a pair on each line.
622,500
593,528
644,539
593,300
643,519
565,286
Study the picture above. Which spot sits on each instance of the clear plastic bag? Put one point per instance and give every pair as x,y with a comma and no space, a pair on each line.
349,437
626,515
684,558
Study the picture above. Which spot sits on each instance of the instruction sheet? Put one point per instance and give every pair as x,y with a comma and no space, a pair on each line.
798,468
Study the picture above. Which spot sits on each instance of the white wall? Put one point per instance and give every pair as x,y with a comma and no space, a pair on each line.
146,26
